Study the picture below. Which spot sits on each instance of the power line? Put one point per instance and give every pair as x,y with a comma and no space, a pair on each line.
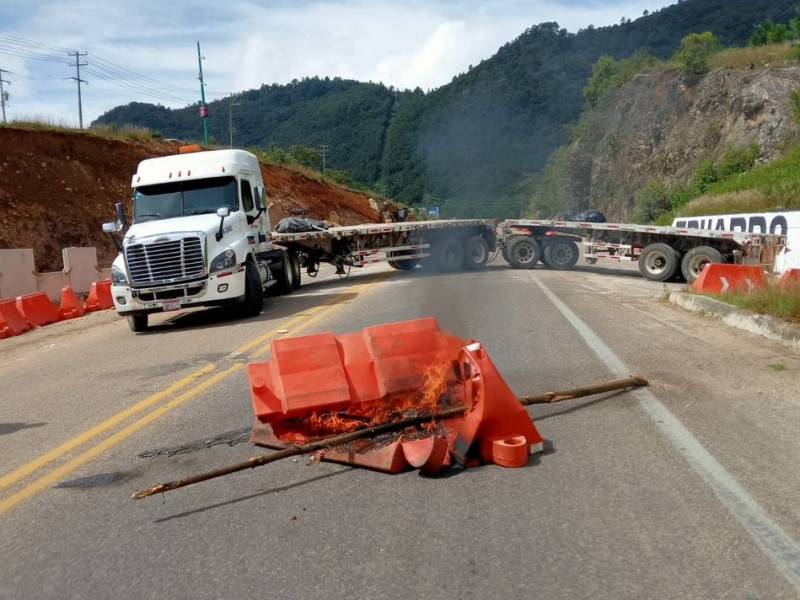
102,69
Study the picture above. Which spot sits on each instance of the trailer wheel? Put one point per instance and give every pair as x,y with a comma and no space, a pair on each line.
560,254
659,262
447,255
137,323
297,271
696,260
523,252
253,290
476,252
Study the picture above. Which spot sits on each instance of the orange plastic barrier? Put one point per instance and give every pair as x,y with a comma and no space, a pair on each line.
70,306
718,278
13,320
790,278
37,309
99,297
324,384
5,330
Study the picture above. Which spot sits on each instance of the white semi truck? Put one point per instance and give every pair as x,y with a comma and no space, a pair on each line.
201,236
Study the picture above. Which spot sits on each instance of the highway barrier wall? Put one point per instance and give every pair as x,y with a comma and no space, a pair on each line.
19,277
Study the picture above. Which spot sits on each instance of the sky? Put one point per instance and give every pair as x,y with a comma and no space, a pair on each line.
146,50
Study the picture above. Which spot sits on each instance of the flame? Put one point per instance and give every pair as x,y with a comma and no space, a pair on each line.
439,390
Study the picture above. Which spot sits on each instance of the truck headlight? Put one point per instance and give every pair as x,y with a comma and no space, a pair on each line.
118,276
224,260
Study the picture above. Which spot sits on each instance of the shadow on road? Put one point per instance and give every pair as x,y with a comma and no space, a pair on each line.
283,488
6,428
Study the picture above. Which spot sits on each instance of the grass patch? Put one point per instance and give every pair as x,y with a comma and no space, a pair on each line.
758,56
769,300
129,133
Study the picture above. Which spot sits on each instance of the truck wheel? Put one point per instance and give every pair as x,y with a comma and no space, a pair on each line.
297,273
137,323
476,252
284,275
447,255
523,252
560,254
403,265
696,260
253,290
659,262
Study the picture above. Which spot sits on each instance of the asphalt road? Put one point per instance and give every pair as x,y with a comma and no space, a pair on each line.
686,489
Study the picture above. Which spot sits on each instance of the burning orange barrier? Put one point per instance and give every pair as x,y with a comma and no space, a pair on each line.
321,385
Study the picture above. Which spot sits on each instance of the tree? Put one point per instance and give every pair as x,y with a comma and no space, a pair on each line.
308,157
695,50
769,32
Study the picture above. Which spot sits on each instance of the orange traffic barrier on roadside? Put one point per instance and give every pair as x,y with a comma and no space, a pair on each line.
718,278
70,306
790,278
37,309
11,317
99,296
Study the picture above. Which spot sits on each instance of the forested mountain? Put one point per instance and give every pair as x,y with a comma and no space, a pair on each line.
473,141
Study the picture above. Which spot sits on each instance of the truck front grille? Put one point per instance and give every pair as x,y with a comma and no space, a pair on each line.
165,261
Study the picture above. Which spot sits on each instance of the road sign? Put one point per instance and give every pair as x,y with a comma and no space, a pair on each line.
433,210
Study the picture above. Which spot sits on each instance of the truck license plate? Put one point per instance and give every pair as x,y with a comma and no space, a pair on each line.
172,305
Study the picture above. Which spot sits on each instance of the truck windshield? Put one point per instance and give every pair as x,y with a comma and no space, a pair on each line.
181,198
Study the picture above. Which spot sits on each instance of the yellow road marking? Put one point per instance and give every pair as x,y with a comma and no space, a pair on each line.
304,321
59,451
53,476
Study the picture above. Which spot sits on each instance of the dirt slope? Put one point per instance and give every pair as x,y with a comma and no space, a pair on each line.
57,188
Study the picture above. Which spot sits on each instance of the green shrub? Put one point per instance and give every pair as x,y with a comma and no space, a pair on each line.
695,50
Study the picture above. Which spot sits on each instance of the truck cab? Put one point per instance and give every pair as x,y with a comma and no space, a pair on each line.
199,237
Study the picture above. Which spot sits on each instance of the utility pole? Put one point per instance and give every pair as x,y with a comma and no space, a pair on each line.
3,93
231,104
324,150
203,107
77,79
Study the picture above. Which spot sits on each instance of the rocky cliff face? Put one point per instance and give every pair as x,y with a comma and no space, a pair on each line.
661,125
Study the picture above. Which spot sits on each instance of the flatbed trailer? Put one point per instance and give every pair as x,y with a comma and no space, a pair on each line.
442,245
662,252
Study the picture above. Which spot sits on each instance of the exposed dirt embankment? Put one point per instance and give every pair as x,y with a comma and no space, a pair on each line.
57,188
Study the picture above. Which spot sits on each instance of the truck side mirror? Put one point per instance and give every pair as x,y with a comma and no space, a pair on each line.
222,212
110,227
121,220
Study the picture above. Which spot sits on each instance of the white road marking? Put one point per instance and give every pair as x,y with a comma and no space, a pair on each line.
781,548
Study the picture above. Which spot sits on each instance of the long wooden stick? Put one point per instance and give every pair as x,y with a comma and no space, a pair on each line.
346,438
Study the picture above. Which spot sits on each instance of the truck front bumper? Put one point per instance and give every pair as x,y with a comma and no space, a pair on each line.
216,290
